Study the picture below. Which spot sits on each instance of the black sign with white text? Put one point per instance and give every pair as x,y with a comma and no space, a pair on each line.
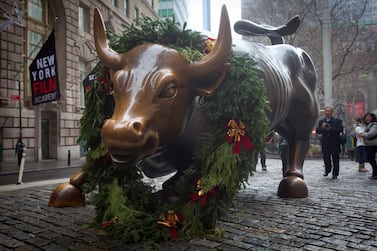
44,74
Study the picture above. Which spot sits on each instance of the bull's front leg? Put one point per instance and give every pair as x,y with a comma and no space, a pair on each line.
293,185
69,194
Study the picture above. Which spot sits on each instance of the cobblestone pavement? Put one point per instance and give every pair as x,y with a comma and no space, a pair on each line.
338,214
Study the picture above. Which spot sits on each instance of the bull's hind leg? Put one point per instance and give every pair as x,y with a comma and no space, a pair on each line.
293,185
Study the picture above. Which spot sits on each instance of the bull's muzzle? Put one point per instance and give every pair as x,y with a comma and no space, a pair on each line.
130,140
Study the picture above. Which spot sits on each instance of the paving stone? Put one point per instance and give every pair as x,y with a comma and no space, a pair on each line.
315,248
10,242
37,241
205,243
20,235
356,246
337,231
27,247
29,228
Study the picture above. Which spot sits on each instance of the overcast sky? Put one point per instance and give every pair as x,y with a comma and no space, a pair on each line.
195,21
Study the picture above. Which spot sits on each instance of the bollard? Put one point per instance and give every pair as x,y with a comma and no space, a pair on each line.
69,157
22,165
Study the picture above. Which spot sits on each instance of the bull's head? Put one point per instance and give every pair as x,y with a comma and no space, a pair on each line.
153,87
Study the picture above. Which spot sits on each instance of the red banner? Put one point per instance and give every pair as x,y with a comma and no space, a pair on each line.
355,110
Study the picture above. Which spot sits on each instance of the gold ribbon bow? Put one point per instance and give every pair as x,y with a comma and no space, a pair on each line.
236,130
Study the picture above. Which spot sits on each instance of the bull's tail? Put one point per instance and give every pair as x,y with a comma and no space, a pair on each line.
275,34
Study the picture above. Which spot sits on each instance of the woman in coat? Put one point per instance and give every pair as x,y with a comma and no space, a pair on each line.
360,146
370,141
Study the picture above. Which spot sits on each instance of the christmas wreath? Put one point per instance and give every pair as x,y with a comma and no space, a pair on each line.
126,207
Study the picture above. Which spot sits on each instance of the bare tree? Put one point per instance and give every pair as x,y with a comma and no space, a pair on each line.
353,38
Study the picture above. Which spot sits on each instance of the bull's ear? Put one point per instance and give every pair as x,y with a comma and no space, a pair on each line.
210,86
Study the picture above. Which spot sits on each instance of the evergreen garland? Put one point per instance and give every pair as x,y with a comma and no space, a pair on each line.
126,208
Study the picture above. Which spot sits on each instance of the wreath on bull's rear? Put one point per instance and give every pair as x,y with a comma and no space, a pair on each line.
127,207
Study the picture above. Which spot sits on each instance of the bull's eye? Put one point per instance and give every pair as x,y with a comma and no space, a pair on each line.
169,91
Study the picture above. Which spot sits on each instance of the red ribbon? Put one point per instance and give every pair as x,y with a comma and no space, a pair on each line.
200,194
209,43
171,220
236,134
109,223
203,202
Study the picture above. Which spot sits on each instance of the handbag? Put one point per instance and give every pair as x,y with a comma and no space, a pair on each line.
342,138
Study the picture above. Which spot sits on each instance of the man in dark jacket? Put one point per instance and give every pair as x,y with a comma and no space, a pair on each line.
330,129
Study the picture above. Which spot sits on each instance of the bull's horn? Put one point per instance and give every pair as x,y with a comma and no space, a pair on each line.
105,53
219,54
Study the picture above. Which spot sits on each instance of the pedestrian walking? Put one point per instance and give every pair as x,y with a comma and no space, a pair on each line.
360,146
283,151
330,128
262,154
370,141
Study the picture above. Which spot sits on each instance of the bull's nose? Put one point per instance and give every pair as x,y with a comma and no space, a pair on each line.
130,128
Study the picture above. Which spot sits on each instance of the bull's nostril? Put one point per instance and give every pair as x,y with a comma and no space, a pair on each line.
137,126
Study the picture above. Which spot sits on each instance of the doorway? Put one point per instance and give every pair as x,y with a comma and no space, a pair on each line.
45,139
49,135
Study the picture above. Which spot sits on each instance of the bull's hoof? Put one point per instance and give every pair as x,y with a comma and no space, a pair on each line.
292,187
67,195
77,179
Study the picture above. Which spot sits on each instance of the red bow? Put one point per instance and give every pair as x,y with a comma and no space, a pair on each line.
237,134
171,220
200,194
209,43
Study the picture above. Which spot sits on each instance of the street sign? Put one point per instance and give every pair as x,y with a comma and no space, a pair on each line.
15,97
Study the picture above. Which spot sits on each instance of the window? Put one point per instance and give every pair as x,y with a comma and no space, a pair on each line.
35,44
136,14
125,8
82,70
83,19
35,9
38,27
166,13
114,3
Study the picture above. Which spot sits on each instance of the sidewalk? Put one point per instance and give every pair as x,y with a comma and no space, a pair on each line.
12,167
338,214
45,172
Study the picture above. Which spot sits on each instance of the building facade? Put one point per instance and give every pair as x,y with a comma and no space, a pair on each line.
51,130
177,9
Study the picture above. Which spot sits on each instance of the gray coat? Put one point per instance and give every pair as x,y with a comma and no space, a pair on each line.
370,134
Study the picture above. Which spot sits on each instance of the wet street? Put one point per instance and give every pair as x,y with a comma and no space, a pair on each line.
338,214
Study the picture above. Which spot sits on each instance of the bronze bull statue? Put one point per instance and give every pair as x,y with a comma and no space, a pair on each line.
154,89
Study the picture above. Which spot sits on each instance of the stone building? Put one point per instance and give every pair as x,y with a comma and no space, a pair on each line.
51,130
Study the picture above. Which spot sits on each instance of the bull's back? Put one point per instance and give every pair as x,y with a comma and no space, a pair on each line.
285,70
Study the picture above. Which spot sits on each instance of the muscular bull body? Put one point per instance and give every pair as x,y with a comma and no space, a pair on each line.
154,89
290,81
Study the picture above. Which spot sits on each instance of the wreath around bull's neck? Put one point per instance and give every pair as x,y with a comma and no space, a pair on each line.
222,162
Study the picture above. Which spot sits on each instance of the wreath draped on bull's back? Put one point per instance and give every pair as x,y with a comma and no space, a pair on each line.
223,160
